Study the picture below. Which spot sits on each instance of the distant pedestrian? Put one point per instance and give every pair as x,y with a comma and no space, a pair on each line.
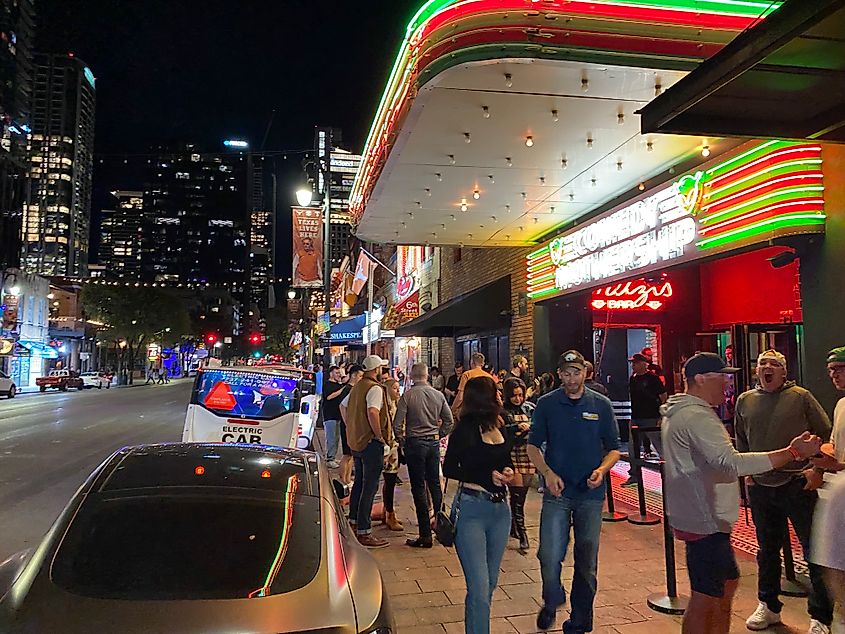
647,395
452,383
422,418
334,391
591,382
391,458
160,373
701,472
518,424
438,382
166,373
150,376
519,370
479,457
579,430
366,431
767,418
476,369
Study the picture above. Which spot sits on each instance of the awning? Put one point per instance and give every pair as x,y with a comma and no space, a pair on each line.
483,309
782,78
39,349
349,331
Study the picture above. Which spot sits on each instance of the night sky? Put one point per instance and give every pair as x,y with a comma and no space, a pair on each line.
205,70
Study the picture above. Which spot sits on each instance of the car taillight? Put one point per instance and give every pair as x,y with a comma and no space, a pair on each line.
299,429
199,470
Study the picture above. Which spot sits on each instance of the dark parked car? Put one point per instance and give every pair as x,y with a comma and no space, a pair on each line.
199,538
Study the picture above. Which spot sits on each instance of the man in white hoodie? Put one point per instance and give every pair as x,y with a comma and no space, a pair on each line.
702,491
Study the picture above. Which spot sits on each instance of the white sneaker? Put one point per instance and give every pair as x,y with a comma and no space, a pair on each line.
762,618
333,464
818,628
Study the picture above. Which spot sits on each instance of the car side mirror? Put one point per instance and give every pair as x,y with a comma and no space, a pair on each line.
341,490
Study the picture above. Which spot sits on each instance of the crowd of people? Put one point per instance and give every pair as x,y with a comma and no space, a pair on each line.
503,430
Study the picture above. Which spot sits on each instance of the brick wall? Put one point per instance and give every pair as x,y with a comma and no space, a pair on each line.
476,268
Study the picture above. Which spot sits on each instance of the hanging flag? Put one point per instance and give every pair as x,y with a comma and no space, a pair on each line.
307,247
362,272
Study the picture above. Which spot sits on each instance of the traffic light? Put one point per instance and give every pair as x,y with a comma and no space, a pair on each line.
255,338
211,338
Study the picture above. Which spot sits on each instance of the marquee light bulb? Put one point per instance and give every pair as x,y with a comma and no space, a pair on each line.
486,112
451,159
641,187
620,118
705,151
453,217
585,84
492,180
508,208
555,116
564,163
571,196
509,161
542,180
589,143
650,146
529,141
619,165
508,80
593,181
658,88
467,137
476,194
439,177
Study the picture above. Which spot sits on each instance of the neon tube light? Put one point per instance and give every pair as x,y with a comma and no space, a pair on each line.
765,186
811,202
781,193
764,159
764,171
764,225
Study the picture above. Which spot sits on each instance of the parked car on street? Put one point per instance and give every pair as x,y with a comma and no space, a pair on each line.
95,379
60,380
7,386
199,538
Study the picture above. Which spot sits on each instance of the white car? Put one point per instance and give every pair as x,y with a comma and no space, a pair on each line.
94,379
7,386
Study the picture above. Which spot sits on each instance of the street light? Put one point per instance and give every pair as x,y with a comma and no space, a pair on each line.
303,197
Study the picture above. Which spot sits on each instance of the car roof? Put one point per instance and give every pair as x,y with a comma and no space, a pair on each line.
271,370
164,468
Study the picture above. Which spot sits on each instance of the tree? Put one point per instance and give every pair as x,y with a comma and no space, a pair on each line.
135,316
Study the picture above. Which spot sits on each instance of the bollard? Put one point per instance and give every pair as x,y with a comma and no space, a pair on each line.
643,517
611,514
791,585
669,603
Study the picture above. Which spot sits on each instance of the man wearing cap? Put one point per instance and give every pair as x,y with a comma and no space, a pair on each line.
766,418
366,428
702,494
647,395
582,445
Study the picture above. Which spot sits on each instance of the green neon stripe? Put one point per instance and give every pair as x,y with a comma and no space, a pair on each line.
794,168
748,156
778,196
792,220
537,294
533,268
536,281
538,252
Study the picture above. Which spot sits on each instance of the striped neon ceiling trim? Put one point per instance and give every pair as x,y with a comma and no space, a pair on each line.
444,33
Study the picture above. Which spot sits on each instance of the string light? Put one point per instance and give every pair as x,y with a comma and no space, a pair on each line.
492,179
509,161
620,118
555,116
451,159
508,80
529,141
705,151
476,194
467,137
564,163
439,177
585,84
641,187
650,146
589,142
464,206
486,112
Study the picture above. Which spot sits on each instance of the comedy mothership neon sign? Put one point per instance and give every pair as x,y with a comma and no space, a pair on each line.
774,188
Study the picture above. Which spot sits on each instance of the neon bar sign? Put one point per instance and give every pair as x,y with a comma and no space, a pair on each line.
638,295
774,188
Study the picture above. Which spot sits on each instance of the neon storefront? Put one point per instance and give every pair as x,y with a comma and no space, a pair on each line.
708,261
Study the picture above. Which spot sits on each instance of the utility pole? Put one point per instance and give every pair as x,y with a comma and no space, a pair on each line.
326,170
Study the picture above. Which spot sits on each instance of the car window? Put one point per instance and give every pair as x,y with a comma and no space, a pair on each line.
190,548
256,395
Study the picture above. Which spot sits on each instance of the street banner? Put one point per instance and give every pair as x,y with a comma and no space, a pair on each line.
402,312
362,272
307,247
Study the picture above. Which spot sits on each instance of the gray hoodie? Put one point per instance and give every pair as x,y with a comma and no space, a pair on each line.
702,467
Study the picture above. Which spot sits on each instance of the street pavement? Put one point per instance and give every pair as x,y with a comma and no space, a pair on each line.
49,444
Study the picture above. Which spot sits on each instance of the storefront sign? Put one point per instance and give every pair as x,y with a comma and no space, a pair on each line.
402,313
771,189
638,295
6,346
307,247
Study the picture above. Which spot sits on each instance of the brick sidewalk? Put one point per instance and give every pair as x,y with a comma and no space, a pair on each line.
427,587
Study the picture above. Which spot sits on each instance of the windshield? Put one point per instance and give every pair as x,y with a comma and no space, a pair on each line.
191,547
256,395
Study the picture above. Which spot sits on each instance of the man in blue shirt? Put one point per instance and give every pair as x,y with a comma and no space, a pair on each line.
581,436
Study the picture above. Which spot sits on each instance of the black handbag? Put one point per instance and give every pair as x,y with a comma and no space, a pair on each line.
444,527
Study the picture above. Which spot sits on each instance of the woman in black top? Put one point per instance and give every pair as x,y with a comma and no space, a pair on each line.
479,457
517,424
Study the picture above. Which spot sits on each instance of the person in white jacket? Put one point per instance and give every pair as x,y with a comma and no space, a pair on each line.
701,479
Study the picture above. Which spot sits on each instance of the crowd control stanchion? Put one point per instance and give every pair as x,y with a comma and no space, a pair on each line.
642,517
669,603
611,514
791,585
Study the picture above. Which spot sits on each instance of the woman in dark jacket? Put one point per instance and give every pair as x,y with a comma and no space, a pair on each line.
517,424
479,457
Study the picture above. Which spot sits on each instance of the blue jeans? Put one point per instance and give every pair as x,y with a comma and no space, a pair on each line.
423,459
332,428
368,467
481,536
559,516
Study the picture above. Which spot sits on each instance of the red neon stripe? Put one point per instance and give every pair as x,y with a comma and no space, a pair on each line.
587,10
783,155
786,182
804,205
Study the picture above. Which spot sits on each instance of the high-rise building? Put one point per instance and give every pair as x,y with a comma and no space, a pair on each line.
197,206
125,245
262,243
57,219
17,19
344,166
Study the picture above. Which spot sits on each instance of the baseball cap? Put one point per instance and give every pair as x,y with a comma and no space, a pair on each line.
705,363
772,355
571,358
372,362
837,355
639,357
647,352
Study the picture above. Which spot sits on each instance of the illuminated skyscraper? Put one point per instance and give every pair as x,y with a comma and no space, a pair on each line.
57,219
